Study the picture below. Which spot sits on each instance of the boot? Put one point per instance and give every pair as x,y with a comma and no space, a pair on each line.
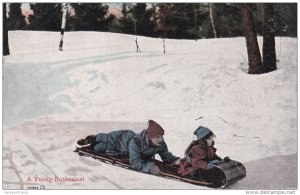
87,141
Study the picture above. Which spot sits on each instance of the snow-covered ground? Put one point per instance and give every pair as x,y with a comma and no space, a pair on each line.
99,83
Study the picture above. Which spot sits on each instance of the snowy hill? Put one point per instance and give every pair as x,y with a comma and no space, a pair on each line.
99,83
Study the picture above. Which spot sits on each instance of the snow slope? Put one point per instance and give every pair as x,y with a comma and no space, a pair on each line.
99,83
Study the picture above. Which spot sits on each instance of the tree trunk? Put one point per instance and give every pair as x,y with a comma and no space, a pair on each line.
195,22
63,25
211,16
269,52
5,32
254,57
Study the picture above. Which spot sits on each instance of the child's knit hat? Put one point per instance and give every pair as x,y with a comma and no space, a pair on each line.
154,129
201,132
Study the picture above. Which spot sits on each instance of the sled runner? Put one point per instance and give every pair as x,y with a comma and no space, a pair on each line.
220,176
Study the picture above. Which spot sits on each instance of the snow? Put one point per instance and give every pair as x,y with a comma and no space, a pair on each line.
99,83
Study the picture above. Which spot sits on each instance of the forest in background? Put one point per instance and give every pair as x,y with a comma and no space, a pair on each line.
167,20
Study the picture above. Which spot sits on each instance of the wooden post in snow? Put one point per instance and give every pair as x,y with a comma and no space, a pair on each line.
63,25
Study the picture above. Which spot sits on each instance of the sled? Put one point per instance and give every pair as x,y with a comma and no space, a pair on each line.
220,176
231,171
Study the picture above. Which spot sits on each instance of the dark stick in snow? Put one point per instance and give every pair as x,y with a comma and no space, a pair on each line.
235,135
243,56
199,118
138,50
223,120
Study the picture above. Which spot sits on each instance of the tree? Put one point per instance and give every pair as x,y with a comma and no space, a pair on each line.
5,32
269,53
90,17
16,20
175,20
144,19
254,57
139,11
204,24
127,21
138,19
46,16
162,27
285,18
211,16
193,20
63,25
228,19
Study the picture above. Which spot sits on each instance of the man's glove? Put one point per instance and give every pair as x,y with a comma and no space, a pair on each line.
154,170
213,162
226,159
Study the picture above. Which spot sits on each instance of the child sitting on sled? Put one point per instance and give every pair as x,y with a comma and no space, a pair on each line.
200,155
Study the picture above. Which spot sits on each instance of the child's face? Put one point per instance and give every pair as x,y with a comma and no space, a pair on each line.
158,140
210,141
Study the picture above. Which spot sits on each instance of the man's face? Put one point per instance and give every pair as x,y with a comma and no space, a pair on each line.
158,140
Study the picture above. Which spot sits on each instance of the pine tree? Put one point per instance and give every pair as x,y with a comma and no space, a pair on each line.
192,20
176,20
139,16
187,21
285,19
228,20
46,16
16,21
144,19
128,20
90,17
204,22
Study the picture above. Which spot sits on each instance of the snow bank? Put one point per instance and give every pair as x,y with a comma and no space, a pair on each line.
99,77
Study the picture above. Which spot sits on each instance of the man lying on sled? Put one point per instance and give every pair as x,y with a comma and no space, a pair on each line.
141,148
